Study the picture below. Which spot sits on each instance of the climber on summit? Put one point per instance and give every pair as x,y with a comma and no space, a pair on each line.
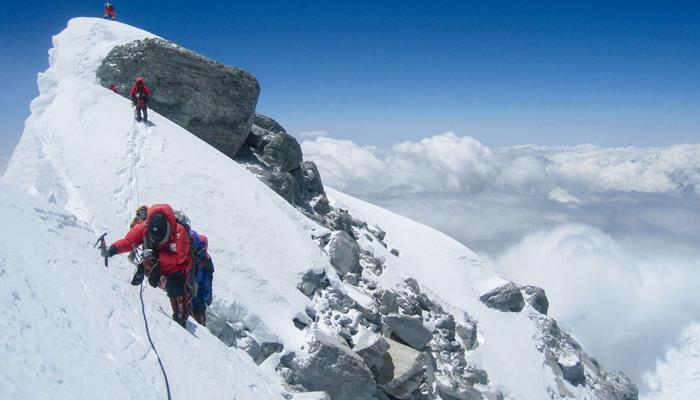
109,11
166,252
139,96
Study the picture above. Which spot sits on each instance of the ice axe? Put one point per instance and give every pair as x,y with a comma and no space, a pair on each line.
100,244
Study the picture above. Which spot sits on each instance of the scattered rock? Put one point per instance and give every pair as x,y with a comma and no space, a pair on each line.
387,302
412,284
341,220
371,347
409,329
572,369
311,282
377,232
403,371
325,363
507,298
220,112
344,253
467,332
537,298
394,252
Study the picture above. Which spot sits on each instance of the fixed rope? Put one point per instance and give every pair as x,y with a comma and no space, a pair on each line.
148,333
134,193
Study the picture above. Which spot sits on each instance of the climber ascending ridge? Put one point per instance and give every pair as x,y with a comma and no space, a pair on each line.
166,252
139,96
109,11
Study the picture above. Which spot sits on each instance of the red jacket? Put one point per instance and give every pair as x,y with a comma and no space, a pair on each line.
135,89
173,253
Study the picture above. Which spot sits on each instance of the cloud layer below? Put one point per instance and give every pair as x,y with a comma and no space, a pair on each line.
452,164
610,233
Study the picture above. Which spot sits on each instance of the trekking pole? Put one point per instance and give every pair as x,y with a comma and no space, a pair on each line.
102,245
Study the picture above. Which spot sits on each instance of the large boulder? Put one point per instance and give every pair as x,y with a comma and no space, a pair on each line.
403,371
537,298
572,369
409,329
507,298
329,365
344,253
214,101
372,347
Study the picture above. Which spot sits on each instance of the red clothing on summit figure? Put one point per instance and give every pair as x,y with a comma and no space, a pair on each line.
140,95
109,11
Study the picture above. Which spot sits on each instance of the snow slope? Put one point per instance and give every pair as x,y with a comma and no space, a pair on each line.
75,328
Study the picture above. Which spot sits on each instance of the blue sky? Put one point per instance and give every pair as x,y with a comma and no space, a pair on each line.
378,72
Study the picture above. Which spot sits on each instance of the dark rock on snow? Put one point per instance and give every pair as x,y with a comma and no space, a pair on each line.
344,253
276,158
506,298
216,102
537,298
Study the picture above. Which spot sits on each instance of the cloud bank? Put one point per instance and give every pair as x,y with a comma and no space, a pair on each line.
452,164
611,233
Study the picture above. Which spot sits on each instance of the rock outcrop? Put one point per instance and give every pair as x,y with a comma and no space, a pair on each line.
275,157
537,298
507,298
214,101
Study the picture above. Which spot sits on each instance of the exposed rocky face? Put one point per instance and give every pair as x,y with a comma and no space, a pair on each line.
275,157
213,101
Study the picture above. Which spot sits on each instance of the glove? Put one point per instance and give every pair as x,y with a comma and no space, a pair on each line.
138,276
107,252
149,258
154,277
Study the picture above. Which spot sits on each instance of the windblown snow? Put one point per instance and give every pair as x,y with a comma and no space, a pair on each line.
74,329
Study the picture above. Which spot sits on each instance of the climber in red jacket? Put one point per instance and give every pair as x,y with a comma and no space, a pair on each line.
140,95
109,11
166,253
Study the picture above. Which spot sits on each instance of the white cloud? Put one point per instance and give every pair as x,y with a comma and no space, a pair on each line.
452,164
624,302
313,134
345,165
677,376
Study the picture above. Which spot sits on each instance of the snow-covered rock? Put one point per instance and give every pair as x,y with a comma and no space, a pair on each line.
344,253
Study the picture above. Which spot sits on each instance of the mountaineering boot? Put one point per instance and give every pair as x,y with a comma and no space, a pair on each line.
200,317
180,310
138,276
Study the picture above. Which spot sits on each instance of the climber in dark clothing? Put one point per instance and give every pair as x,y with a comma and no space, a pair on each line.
140,94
